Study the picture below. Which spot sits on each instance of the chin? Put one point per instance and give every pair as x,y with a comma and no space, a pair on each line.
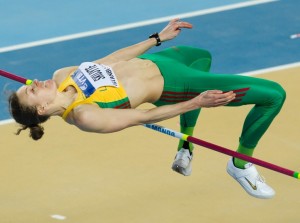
50,84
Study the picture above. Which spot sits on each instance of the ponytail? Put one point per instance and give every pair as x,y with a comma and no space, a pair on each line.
36,131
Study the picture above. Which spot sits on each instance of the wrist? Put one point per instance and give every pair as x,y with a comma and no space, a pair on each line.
156,37
193,104
186,106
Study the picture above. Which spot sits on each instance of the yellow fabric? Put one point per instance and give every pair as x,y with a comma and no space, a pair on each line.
103,95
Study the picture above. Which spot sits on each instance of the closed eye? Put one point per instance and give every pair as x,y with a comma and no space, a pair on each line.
30,90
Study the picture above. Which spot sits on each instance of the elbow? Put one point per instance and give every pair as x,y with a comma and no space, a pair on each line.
147,117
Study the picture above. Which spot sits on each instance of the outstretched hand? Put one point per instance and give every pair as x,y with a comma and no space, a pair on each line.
214,98
173,29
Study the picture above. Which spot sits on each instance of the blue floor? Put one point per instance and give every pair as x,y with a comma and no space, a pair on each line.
32,20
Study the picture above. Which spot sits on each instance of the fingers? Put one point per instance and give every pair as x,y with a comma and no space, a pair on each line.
185,25
214,98
181,24
173,29
212,92
224,98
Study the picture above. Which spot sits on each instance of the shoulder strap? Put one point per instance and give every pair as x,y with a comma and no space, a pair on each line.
70,108
66,82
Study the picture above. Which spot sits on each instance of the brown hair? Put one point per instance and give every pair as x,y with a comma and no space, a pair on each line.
27,116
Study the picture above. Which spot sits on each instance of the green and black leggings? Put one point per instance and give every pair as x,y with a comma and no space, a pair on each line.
186,74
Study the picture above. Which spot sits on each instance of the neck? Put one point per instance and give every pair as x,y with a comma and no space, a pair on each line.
61,103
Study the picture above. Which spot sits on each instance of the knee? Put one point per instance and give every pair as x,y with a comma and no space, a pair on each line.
278,95
281,93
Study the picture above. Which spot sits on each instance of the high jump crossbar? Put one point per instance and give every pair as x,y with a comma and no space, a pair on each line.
15,77
223,150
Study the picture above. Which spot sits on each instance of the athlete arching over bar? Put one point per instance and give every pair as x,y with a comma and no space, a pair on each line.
102,96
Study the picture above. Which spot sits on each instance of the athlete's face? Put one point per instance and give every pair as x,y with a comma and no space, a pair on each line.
38,93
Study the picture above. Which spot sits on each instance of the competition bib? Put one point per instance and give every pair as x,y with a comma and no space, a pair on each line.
90,76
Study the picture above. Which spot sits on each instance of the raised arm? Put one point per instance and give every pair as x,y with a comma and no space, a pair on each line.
127,53
92,119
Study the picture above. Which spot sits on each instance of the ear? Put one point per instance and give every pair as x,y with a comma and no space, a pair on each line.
41,109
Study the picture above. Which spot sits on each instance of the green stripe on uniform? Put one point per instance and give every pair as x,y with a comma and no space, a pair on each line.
123,103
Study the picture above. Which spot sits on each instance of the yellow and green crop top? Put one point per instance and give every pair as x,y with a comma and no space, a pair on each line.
95,84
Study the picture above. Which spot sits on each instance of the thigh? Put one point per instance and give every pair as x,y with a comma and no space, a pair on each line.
249,90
